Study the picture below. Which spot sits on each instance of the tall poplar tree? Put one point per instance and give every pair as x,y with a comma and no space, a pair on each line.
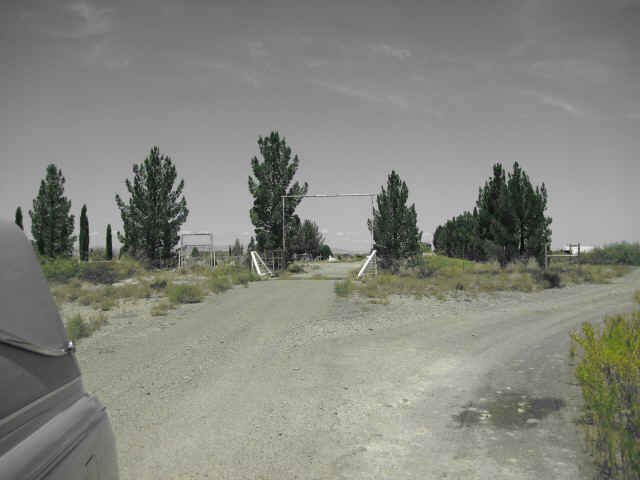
83,241
51,222
19,218
155,211
109,252
273,177
395,224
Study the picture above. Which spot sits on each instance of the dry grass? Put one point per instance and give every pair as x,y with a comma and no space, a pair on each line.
441,276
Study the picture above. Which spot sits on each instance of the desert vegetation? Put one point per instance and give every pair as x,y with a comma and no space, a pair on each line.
609,375
103,286
622,253
440,276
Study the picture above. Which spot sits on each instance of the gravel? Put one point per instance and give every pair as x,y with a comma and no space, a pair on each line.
284,380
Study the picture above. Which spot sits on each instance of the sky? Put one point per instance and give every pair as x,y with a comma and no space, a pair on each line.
437,90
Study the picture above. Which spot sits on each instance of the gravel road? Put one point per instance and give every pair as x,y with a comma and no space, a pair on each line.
283,380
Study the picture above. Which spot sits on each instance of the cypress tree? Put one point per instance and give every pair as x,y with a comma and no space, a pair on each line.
19,218
83,243
109,253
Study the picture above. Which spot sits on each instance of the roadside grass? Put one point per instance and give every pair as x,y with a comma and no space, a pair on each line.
296,268
343,288
161,308
440,276
184,293
609,375
622,253
77,327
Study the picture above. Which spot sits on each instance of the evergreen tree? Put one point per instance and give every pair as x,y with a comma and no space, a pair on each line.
325,252
51,222
83,241
156,210
109,253
273,177
237,250
195,252
395,229
308,239
508,222
19,218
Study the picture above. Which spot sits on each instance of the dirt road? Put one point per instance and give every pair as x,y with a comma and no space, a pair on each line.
283,380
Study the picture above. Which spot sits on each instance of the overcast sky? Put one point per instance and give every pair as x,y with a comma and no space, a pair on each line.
437,90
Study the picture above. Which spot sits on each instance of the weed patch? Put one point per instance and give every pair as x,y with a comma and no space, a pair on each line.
161,308
609,375
343,288
184,293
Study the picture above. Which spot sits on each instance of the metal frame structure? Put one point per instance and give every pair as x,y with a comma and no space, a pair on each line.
324,195
209,246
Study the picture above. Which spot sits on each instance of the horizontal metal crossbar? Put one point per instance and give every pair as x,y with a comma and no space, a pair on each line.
323,195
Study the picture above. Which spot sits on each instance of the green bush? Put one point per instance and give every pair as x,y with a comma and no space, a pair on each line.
100,272
622,253
59,269
296,268
343,288
77,328
184,293
243,278
551,279
159,284
219,284
609,375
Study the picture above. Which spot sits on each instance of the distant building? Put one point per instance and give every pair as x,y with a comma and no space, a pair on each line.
576,249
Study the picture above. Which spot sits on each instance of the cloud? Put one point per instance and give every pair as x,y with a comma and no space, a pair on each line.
89,21
340,234
257,49
315,63
555,102
394,99
634,116
384,49
103,53
561,104
572,70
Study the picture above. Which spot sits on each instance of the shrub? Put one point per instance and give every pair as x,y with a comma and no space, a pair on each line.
59,269
77,328
343,288
296,268
609,375
97,322
551,279
219,284
99,272
184,293
107,303
636,296
243,278
161,308
159,284
622,253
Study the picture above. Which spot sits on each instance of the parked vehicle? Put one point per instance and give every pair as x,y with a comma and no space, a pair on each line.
50,427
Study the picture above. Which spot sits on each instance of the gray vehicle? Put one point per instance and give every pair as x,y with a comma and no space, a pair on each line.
49,426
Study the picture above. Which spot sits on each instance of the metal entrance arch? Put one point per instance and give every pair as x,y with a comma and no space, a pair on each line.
322,195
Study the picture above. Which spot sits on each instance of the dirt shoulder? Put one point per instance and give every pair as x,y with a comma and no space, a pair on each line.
284,380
